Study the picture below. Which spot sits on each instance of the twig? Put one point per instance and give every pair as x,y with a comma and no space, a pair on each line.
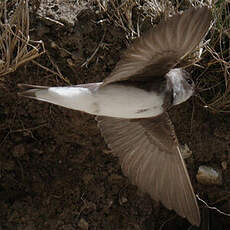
213,208
54,21
94,53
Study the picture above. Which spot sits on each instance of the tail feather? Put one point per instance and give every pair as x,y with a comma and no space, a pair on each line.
78,97
28,87
30,90
29,94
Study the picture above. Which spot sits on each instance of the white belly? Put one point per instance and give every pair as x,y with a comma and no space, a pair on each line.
112,100
127,102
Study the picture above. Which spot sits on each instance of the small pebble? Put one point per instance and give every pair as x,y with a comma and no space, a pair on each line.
123,200
53,44
185,151
209,176
224,165
82,224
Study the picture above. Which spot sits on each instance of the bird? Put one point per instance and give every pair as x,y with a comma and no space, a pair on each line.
131,107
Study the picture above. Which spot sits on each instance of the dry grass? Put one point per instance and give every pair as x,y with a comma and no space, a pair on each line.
215,77
129,15
16,47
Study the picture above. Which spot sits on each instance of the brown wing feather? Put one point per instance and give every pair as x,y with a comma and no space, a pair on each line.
150,157
159,50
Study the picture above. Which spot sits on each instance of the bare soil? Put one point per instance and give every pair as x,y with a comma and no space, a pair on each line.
55,169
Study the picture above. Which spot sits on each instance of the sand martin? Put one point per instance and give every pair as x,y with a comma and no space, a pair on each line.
131,107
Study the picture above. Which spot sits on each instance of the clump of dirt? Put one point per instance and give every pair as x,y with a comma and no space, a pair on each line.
55,169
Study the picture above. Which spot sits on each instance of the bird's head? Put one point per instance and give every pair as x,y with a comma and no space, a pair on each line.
182,84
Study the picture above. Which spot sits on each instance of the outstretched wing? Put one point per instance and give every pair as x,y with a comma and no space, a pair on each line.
156,52
150,157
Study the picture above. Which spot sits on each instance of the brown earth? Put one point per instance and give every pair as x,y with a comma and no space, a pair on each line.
55,169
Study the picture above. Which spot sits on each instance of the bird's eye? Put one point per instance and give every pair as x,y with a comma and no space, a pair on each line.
190,81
